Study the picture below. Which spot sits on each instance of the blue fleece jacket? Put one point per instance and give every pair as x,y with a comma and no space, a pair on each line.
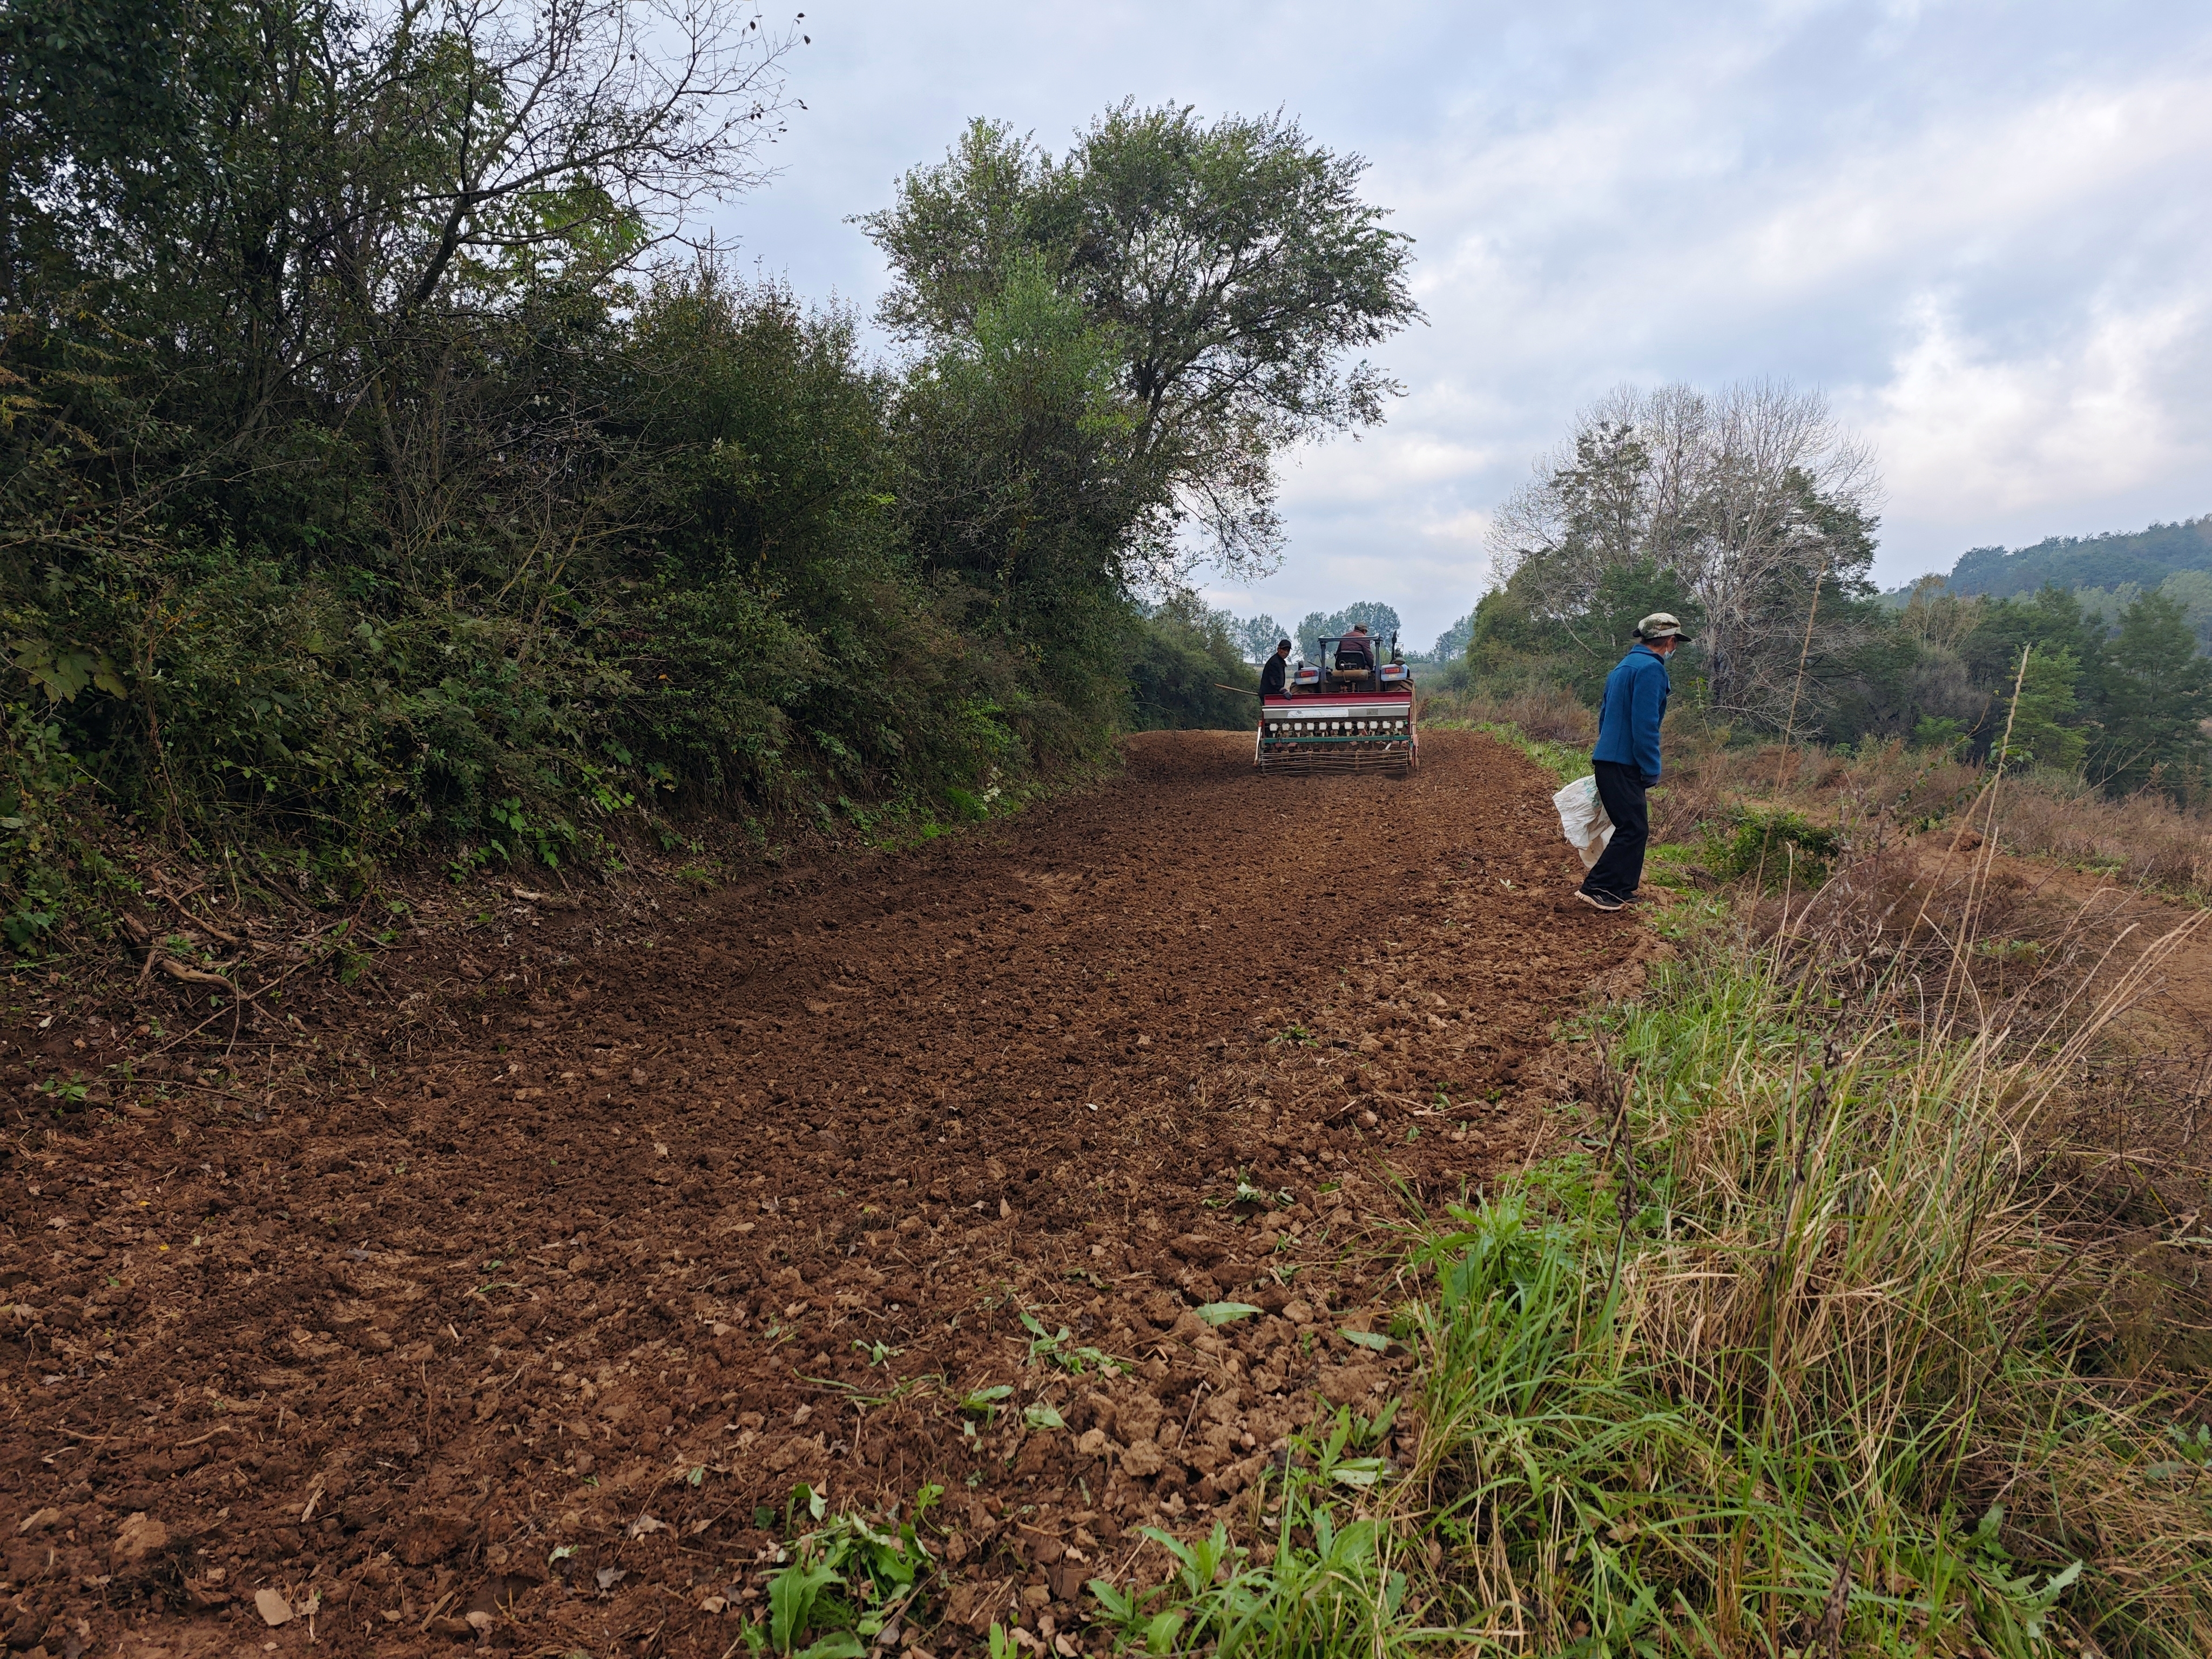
1628,721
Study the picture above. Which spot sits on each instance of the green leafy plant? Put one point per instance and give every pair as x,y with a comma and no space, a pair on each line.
1223,1313
985,1402
1776,846
1060,1348
849,1578
1328,1587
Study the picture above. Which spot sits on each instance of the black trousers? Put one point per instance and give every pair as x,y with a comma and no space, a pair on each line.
1619,868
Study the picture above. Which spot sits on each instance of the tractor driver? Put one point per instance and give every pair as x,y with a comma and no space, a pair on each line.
1354,650
1276,671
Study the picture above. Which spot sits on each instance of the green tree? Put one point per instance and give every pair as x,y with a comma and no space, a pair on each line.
1231,265
1020,485
1514,643
1381,622
2052,621
1182,655
2192,591
2039,731
1625,595
2051,618
1451,644
1256,636
1511,646
2156,692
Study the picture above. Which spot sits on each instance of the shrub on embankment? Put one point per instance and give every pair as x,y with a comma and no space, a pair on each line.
377,484
711,612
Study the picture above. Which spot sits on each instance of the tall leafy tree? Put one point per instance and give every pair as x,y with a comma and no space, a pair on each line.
1381,621
1020,483
2052,621
1186,668
2039,728
1256,636
1233,266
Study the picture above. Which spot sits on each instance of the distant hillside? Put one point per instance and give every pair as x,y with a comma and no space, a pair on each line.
2142,558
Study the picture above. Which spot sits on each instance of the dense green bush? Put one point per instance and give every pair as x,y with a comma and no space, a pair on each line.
1182,668
1778,847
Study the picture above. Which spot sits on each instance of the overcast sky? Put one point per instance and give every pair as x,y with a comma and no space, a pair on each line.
1981,227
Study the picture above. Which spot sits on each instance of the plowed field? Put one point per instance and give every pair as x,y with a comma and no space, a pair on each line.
648,1213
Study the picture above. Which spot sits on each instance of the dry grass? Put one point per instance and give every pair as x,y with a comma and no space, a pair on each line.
1546,713
1866,1312
1885,792
1877,1317
1892,791
1847,1340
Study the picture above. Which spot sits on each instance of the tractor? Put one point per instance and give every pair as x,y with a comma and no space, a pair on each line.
1350,712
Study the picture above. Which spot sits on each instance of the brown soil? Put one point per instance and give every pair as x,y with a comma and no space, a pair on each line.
2055,947
592,1234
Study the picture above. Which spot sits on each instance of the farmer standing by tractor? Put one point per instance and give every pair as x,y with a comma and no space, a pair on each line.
1626,758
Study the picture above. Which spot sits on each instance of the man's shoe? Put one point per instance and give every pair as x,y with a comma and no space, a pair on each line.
1597,901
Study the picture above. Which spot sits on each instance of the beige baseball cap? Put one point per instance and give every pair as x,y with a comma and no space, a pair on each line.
1658,626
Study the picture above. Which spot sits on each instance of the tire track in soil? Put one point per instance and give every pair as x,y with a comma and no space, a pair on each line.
765,1200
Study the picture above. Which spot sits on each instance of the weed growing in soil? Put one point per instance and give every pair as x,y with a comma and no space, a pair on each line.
848,1579
1217,1314
1327,1582
1059,1349
985,1403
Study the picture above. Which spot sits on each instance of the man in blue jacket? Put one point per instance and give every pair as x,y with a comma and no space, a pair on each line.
1626,758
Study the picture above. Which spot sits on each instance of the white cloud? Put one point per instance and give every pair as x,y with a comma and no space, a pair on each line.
1465,533
1969,433
1964,189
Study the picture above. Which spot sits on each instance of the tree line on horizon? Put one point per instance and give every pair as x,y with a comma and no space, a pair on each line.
1750,513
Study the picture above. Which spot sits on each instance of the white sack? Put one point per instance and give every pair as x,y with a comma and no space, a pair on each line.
1583,819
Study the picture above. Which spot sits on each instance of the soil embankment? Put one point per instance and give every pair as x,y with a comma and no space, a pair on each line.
638,1225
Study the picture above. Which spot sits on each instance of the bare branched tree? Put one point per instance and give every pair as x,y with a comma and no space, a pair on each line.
1753,498
488,158
584,129
337,215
